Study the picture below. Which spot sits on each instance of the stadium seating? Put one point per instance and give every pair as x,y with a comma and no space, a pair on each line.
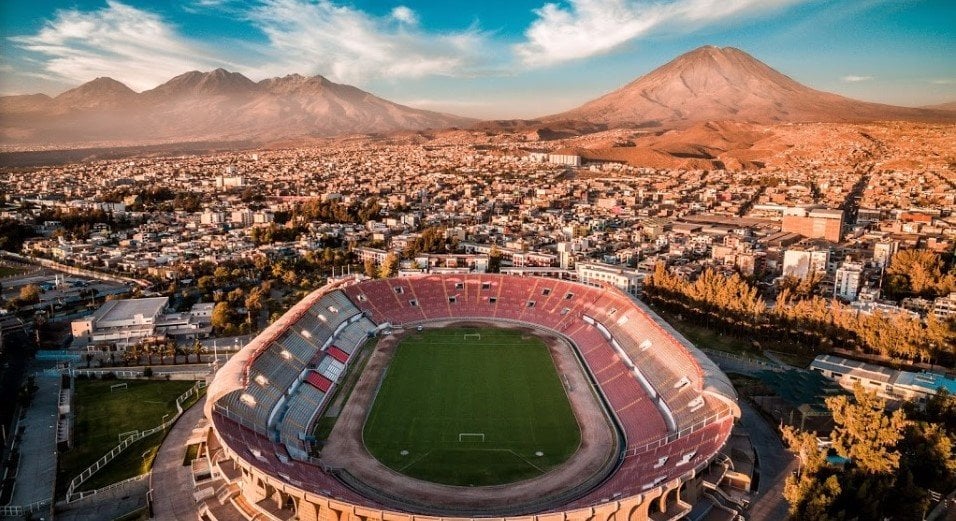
652,385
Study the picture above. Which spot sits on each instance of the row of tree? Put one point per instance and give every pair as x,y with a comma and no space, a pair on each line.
732,304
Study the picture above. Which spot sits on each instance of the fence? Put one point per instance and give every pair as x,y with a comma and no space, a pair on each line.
88,493
71,495
199,374
20,511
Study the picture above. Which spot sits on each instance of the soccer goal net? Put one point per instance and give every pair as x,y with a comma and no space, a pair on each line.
472,336
471,436
118,387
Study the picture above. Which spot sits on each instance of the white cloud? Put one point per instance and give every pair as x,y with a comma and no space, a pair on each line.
855,79
586,28
350,45
128,44
943,81
405,15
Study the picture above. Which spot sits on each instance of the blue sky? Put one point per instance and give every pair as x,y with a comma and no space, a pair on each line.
491,58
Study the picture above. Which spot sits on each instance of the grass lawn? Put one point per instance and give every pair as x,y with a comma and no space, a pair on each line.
502,391
9,271
101,415
702,336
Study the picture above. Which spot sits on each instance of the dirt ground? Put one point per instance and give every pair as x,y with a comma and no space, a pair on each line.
594,459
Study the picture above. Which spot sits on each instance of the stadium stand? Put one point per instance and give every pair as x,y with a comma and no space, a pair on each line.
673,407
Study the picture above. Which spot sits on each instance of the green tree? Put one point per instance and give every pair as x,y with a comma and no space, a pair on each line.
389,266
253,303
221,316
370,268
30,294
494,260
864,432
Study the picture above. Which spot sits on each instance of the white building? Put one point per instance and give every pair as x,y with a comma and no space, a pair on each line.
564,159
126,322
945,307
883,253
846,284
121,320
800,263
887,383
628,280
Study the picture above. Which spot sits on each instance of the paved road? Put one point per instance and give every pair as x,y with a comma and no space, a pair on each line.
774,462
36,472
172,484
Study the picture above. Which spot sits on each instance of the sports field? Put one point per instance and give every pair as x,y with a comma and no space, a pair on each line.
464,410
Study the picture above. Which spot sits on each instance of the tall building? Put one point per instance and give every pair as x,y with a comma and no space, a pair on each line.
817,223
883,253
846,284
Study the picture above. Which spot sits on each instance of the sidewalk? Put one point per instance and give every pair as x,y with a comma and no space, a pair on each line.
36,473
172,483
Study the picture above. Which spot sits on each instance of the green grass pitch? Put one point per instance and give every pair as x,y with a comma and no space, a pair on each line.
101,415
440,385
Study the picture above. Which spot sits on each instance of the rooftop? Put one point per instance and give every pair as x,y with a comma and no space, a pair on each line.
128,309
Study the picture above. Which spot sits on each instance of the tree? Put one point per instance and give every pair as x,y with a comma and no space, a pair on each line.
197,350
389,266
864,432
919,272
253,302
810,492
30,294
370,268
221,316
494,260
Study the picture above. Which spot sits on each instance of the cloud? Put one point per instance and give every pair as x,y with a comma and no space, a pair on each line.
855,79
405,15
943,81
129,44
584,28
350,45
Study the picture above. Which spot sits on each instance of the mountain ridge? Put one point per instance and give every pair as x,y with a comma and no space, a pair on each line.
213,105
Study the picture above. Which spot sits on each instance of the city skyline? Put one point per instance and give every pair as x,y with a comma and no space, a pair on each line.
492,60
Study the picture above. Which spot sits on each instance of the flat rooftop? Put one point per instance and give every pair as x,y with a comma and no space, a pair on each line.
128,309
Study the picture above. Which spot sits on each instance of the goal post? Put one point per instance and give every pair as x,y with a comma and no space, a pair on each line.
472,336
119,387
471,436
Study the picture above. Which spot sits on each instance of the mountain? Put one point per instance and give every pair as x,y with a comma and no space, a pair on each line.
207,106
942,106
711,83
99,94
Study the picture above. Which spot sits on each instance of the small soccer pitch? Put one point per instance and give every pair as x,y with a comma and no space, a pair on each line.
471,407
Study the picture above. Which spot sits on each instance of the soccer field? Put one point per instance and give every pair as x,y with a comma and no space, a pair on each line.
467,411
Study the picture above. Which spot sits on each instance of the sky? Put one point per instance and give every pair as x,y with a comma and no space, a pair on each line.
486,58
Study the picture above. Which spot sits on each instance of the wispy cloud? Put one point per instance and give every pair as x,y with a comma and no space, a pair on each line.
583,28
351,45
135,46
142,49
405,15
855,79
943,81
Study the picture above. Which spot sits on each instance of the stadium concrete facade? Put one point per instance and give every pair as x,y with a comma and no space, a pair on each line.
671,406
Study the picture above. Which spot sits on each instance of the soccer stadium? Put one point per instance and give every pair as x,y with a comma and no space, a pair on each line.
465,396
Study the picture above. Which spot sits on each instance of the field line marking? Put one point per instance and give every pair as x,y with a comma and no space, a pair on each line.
414,461
526,460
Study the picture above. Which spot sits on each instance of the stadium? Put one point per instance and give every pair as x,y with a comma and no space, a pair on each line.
464,396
